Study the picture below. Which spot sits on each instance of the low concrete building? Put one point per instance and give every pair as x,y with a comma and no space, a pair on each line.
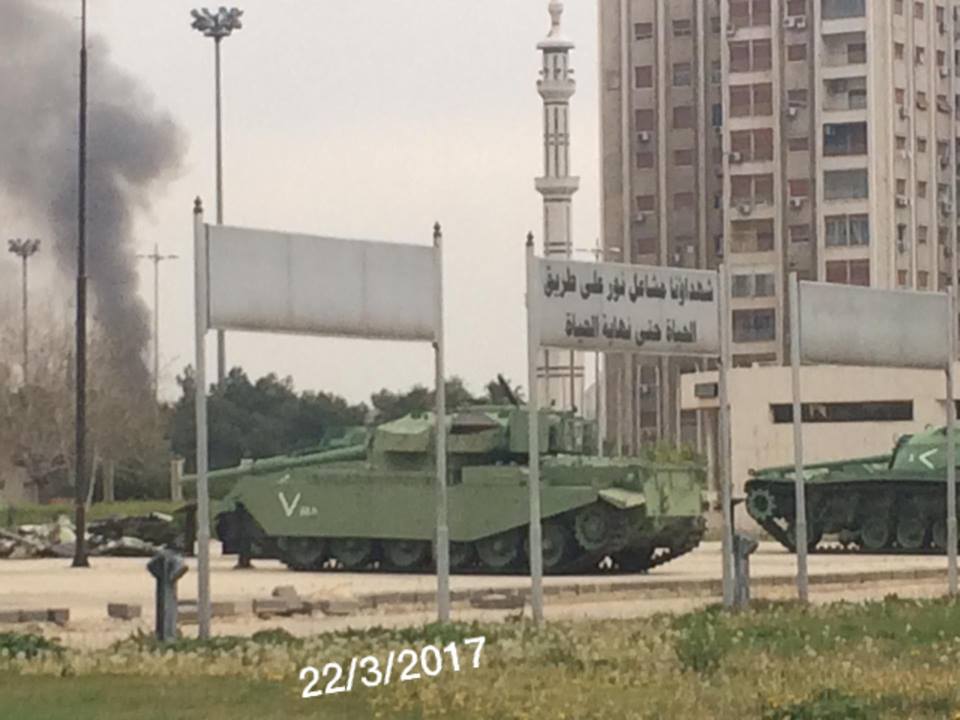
847,411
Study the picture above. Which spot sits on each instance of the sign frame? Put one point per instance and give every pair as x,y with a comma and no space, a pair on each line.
202,325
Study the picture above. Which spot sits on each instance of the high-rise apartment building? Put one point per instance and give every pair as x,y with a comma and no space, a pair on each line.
775,136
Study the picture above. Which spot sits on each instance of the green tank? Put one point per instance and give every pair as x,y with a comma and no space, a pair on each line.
884,503
371,506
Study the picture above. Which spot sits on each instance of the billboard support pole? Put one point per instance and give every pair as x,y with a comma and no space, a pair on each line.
200,400
443,530
800,527
723,444
951,447
533,441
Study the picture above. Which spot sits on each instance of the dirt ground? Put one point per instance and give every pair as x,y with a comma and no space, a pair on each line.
36,584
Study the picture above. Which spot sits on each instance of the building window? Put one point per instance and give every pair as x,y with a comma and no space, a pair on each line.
901,142
716,72
846,185
682,28
899,96
796,7
920,55
796,52
849,272
834,9
681,74
923,279
646,203
683,117
922,232
847,230
745,13
751,190
898,50
921,189
643,31
750,56
644,160
921,144
799,188
754,326
799,144
752,145
684,200
751,236
644,76
799,233
918,11
845,139
902,279
747,286
748,100
683,157
856,53
645,120
842,412
898,7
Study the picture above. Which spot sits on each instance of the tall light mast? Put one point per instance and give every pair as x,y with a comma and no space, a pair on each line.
559,370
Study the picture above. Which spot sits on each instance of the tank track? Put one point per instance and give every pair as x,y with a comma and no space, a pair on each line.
632,558
867,517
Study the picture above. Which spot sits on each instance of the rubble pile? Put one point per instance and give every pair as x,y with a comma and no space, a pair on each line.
141,536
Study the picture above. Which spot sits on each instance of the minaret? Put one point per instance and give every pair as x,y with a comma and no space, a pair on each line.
561,372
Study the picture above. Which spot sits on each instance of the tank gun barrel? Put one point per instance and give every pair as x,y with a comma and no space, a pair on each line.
507,390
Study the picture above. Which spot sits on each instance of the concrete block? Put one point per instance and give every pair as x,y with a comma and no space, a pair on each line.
9,616
222,608
124,611
267,607
33,616
497,601
60,616
285,591
339,607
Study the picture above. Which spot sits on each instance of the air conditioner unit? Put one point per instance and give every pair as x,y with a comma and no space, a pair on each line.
797,202
641,217
731,30
903,112
792,111
903,201
944,71
745,209
736,158
904,154
944,161
643,136
943,105
945,207
901,247
800,22
789,22
719,171
922,104
942,27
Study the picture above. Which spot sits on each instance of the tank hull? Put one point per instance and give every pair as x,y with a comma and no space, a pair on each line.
364,518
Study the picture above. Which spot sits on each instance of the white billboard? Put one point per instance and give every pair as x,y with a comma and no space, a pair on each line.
846,325
267,281
627,308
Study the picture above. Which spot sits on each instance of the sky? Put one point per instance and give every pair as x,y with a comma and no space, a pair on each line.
369,119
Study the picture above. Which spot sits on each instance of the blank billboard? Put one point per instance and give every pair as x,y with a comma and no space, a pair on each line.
846,325
279,282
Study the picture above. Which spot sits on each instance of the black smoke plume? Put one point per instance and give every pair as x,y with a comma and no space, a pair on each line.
131,146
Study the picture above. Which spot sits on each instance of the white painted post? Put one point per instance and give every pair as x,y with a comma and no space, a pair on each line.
800,528
443,530
723,442
533,412
951,447
200,399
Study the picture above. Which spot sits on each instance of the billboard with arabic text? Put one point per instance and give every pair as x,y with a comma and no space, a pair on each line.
627,308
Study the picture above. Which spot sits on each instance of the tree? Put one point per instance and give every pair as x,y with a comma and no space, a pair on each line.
390,405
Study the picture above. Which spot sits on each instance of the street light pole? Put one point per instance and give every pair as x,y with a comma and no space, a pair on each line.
80,440
218,25
24,248
156,258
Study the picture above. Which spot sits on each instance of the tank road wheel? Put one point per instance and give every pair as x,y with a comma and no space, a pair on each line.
599,527
352,553
814,536
557,542
499,552
911,531
875,532
406,555
462,556
302,553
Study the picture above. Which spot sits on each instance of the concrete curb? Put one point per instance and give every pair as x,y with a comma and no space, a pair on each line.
641,589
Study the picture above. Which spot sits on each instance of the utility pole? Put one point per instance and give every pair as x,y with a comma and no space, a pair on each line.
218,25
156,258
24,249
80,460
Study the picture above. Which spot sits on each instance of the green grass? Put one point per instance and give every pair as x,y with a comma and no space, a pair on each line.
32,514
890,659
